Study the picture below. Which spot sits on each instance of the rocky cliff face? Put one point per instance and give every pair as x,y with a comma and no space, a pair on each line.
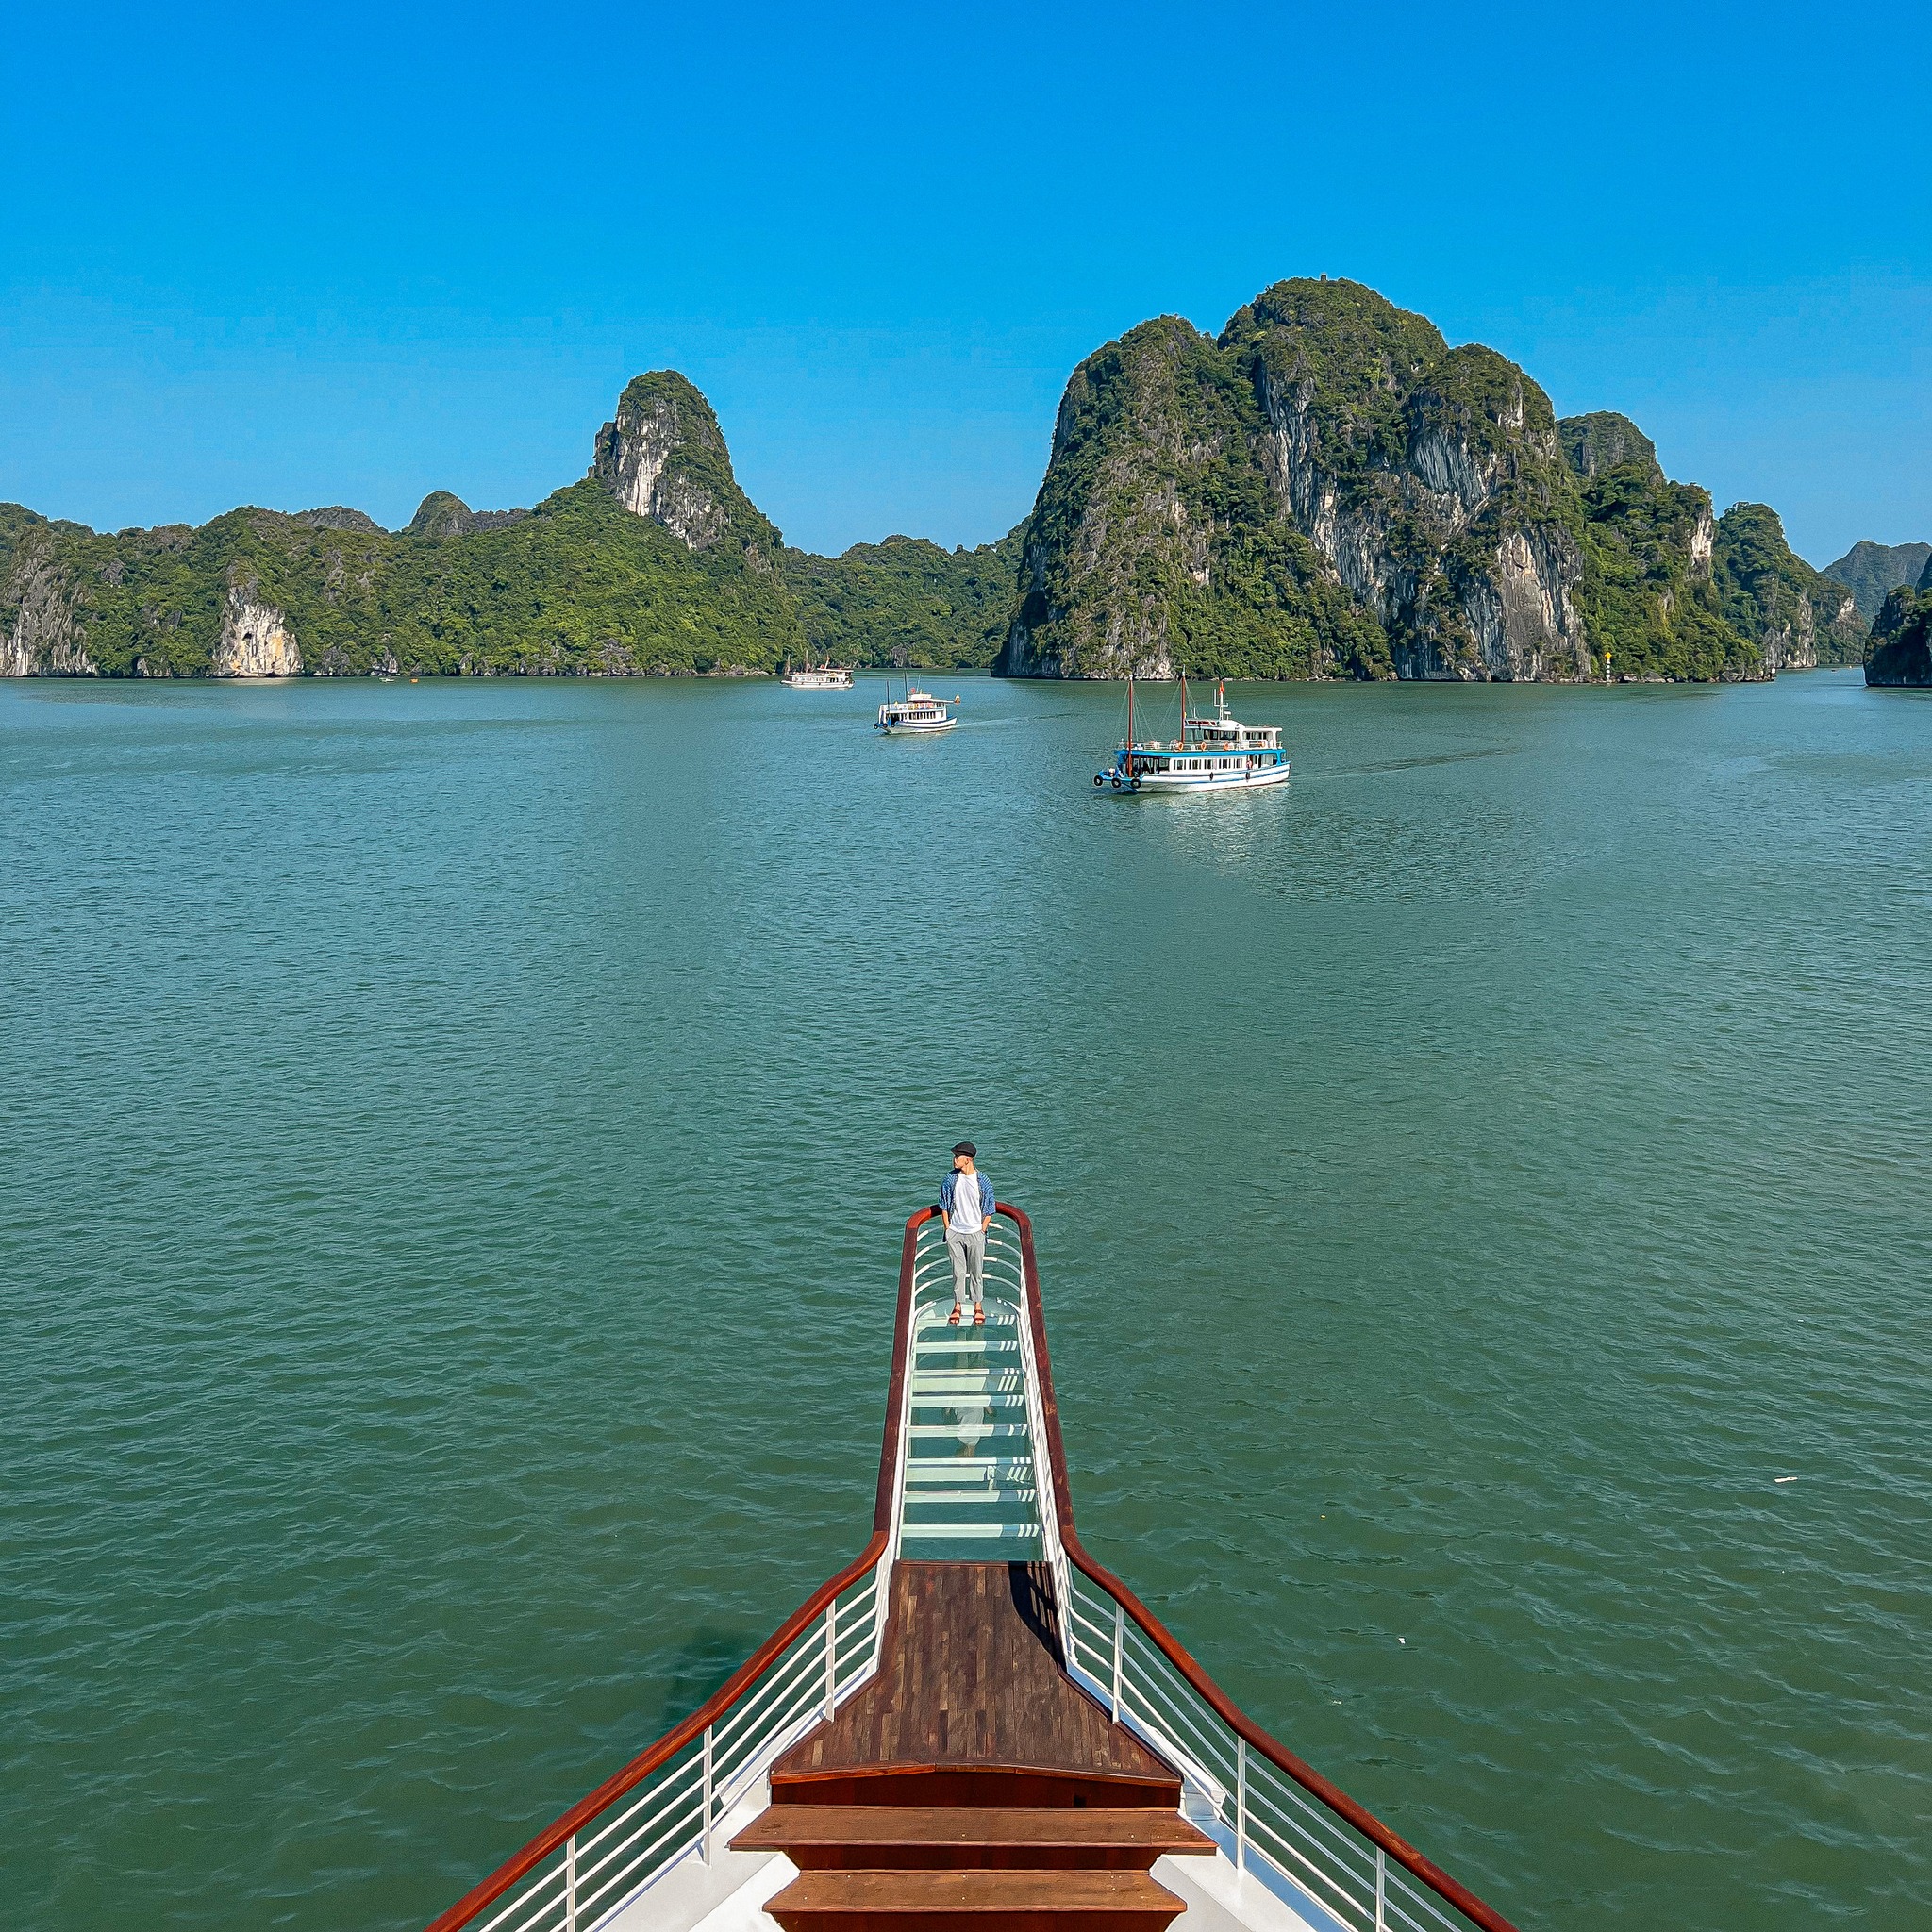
1799,617
1606,440
1874,571
1902,638
255,641
663,457
1424,476
1327,488
41,634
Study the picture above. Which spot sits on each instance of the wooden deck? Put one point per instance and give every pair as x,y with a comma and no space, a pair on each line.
970,1683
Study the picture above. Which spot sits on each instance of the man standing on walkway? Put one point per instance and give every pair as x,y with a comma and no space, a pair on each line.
966,1207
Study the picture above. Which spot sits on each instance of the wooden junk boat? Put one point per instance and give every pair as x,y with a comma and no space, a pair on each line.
973,1727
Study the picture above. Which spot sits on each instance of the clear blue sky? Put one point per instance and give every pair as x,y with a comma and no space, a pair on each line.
350,253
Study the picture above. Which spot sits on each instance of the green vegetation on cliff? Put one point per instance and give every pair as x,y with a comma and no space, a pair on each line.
1646,587
1328,488
1606,440
578,584
906,603
1154,543
1902,638
1799,616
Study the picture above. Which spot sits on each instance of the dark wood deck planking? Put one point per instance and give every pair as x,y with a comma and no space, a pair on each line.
969,1676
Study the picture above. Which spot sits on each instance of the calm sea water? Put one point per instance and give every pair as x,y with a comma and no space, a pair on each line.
455,1142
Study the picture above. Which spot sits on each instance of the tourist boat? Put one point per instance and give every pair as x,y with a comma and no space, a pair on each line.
974,1724
1217,754
916,710
825,676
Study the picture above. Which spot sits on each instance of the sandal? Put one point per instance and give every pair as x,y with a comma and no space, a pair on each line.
952,1320
979,1318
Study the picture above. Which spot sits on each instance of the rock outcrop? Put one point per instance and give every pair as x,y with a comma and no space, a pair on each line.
1874,571
663,457
442,514
1606,440
1328,489
1799,617
335,516
255,641
41,633
1902,638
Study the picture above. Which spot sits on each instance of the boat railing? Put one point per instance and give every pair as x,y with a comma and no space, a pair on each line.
670,1805
1277,1818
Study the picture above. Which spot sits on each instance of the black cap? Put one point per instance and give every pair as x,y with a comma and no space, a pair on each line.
968,1149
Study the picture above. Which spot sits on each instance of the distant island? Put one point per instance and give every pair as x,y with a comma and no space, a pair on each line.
1325,489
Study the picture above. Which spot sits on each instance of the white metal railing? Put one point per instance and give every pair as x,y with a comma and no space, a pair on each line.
1264,1821
1270,1827
678,1811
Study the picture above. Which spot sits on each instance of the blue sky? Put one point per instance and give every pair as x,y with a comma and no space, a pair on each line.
350,253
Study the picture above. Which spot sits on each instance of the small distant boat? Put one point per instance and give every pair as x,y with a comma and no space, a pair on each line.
916,712
825,676
1212,754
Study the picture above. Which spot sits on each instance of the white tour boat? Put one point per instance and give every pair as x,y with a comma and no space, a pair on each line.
916,712
1217,754
825,676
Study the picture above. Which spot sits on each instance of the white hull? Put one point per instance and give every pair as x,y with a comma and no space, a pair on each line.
1218,781
921,730
819,680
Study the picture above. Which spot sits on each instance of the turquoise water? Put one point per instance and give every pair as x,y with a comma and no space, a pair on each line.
455,1142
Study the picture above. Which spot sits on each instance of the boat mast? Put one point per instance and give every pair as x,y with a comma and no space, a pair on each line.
1130,721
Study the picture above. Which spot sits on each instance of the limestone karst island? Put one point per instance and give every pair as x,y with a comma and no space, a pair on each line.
1325,490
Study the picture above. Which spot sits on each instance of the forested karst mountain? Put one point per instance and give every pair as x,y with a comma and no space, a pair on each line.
1799,616
1328,489
1902,638
657,561
1874,571
906,601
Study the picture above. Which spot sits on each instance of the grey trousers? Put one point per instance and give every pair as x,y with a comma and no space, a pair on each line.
969,1264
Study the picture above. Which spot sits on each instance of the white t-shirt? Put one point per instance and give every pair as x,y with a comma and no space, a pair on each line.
967,1219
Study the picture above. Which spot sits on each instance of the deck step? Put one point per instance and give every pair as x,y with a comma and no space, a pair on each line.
976,1532
935,1432
975,1901
971,1494
937,1469
822,1837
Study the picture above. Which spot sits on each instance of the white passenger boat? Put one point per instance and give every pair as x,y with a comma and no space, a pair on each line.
916,712
825,676
973,1725
1212,754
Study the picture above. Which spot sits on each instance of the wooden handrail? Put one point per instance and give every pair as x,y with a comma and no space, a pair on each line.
1278,1754
721,1701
